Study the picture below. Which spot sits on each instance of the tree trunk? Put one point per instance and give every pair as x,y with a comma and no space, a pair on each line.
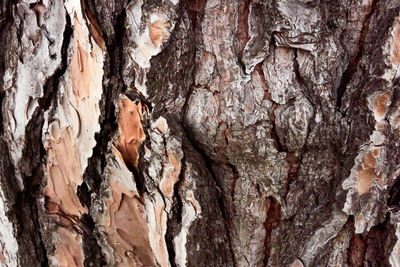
200,133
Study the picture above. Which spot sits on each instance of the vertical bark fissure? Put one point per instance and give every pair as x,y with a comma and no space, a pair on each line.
5,24
112,87
274,133
355,60
379,238
8,183
356,249
32,165
271,112
243,32
235,177
209,164
394,196
273,217
175,216
221,201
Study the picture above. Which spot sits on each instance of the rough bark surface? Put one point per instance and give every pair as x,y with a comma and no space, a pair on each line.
200,133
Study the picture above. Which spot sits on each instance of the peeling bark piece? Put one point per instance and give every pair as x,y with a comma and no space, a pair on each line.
297,263
367,172
36,58
63,171
394,43
161,125
8,242
158,32
391,51
379,103
121,218
171,174
147,41
148,29
86,69
69,140
93,26
323,235
157,217
299,24
260,21
80,94
191,210
395,255
165,163
130,129
68,249
368,176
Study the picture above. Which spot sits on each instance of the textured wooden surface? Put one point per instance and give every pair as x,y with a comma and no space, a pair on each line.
200,133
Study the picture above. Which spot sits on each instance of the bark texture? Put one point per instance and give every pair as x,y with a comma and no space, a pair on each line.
200,133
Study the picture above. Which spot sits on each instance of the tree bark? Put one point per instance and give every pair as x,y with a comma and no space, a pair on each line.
200,133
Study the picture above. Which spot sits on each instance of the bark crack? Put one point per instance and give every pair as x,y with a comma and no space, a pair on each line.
112,86
175,215
355,60
221,202
32,165
273,217
356,249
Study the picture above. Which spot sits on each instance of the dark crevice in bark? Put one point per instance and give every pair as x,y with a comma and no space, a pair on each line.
235,177
175,216
28,222
196,13
357,247
242,33
6,20
354,61
294,167
380,241
195,10
394,196
221,202
140,180
273,217
209,165
83,194
356,251
271,112
371,248
179,202
7,177
31,249
138,172
2,94
112,87
28,236
274,133
8,184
